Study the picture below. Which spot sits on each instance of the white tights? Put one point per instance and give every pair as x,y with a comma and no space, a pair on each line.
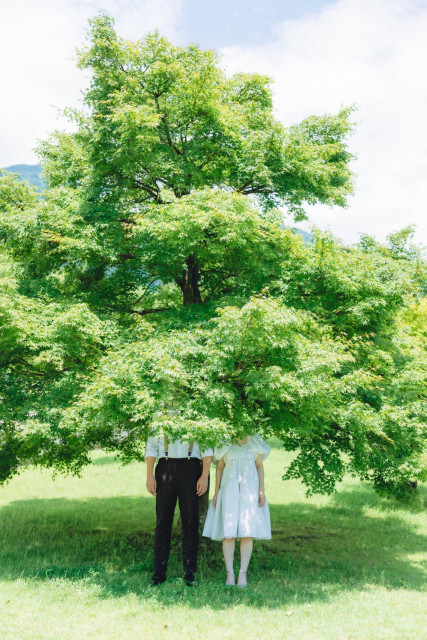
228,547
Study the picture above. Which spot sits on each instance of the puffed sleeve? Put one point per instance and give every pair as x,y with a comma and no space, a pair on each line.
257,445
219,452
152,448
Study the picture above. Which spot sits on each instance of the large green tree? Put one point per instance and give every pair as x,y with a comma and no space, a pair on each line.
152,287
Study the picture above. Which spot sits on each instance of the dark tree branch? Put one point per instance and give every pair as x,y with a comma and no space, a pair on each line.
19,205
247,191
146,290
166,127
145,312
152,191
30,368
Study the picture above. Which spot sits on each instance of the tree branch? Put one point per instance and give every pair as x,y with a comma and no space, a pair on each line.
166,127
260,189
145,312
147,288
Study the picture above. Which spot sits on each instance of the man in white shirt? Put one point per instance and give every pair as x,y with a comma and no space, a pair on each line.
182,474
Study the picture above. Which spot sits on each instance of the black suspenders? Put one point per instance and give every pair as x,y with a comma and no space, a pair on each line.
190,448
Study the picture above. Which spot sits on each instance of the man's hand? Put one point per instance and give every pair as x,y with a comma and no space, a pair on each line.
151,485
202,485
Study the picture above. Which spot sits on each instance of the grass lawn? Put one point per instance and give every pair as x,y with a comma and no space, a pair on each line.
76,557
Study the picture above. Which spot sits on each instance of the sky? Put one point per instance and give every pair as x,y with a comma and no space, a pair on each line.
322,54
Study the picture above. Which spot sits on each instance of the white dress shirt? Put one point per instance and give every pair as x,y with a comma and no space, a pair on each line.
176,449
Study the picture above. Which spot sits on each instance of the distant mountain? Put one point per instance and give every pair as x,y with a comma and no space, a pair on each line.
30,172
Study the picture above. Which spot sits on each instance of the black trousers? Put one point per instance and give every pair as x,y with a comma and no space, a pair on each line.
176,479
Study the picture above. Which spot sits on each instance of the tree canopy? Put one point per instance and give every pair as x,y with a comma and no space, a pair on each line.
154,273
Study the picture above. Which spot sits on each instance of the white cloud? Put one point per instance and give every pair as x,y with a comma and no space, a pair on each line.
37,44
371,53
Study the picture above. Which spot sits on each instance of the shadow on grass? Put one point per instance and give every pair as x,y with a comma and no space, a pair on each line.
106,460
363,496
316,551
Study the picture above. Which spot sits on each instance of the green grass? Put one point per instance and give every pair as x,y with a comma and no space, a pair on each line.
76,556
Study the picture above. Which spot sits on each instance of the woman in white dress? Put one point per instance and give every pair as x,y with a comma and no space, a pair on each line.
239,508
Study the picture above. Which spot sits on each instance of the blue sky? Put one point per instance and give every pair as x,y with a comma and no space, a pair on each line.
321,54
240,22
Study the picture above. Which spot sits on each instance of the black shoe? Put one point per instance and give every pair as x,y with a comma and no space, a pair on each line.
189,578
157,579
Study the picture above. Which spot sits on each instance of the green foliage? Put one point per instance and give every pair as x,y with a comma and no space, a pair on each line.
152,288
233,248
165,116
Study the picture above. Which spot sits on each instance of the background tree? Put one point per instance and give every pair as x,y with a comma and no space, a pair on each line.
154,272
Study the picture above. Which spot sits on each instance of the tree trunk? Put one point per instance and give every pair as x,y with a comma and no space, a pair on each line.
189,283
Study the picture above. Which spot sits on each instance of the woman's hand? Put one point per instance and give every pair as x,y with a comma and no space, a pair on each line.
214,500
260,468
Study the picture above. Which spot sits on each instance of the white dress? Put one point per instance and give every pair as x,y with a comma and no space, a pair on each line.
237,514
